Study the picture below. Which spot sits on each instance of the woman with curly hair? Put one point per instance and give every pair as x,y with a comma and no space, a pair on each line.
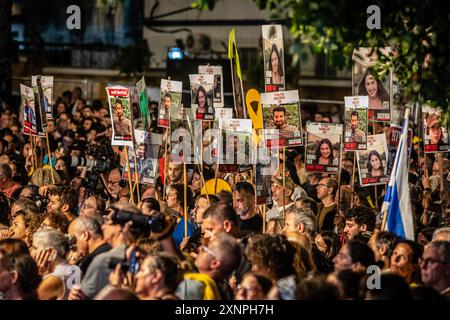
324,152
375,164
372,87
274,257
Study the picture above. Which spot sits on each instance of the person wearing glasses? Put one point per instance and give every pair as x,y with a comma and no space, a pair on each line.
327,209
119,237
215,262
435,267
254,286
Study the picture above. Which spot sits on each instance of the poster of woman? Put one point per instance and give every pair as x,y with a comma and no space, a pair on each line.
355,134
170,97
121,115
28,109
218,83
436,133
322,150
202,96
367,82
372,163
281,111
273,50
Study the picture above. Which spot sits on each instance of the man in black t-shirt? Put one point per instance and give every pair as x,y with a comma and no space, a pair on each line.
244,204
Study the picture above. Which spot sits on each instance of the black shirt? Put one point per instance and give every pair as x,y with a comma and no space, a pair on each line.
86,261
254,224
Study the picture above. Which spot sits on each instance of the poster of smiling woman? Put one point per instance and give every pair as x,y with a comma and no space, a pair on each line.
367,82
273,51
202,96
322,150
372,163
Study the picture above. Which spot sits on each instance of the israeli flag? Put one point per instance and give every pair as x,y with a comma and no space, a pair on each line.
397,202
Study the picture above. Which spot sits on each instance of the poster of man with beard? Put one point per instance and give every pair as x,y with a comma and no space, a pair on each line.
282,112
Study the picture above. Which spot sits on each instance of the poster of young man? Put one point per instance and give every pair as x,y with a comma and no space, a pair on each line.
181,139
121,115
273,51
202,96
170,97
281,111
395,132
436,134
366,82
236,76
28,109
218,83
147,149
45,87
355,119
235,145
323,147
372,163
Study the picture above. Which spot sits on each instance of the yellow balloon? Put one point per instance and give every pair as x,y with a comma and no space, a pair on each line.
210,184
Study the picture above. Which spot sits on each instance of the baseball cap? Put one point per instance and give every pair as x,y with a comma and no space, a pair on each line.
287,182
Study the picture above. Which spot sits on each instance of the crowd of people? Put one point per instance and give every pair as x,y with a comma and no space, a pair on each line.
69,232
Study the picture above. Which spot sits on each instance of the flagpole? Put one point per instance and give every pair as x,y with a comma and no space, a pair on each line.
129,175
50,158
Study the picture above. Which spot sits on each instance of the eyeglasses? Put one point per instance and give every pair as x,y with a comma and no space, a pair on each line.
322,185
427,261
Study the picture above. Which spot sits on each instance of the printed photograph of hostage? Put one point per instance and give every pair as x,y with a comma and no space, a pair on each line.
372,163
436,135
201,100
122,125
323,147
374,88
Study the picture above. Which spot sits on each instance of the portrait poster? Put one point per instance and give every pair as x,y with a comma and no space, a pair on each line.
281,111
235,145
273,51
236,76
202,96
147,148
366,82
395,133
170,97
356,124
218,83
121,115
181,139
398,101
436,135
322,150
266,166
372,163
45,87
28,109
